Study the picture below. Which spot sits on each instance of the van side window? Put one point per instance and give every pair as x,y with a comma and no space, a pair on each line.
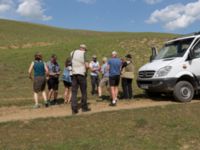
197,50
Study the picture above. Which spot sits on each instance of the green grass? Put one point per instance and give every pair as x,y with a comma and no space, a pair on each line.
16,56
171,128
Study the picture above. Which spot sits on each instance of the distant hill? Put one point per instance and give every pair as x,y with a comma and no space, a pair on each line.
20,40
14,34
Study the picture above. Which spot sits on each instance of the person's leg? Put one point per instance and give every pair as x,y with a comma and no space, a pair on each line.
50,90
44,95
55,94
116,92
83,88
50,93
74,104
36,99
55,88
117,81
97,83
101,84
46,102
112,91
125,88
93,85
66,95
69,94
130,89
107,84
99,91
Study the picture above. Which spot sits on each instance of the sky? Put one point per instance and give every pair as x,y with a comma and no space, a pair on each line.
173,16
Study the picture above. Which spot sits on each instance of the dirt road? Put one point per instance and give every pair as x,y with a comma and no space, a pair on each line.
28,113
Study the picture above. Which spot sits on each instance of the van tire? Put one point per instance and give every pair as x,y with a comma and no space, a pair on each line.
183,91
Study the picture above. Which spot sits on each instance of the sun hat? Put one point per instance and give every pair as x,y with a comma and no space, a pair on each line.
94,56
83,46
105,59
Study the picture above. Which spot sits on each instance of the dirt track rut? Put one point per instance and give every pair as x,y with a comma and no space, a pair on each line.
27,113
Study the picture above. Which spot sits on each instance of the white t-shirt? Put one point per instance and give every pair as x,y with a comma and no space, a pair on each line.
94,65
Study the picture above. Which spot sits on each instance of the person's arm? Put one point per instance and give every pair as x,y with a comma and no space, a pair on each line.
124,64
59,71
30,70
108,66
99,67
90,66
87,66
50,73
46,69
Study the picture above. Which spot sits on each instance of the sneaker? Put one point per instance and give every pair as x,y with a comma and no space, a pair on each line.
113,103
36,106
86,110
46,103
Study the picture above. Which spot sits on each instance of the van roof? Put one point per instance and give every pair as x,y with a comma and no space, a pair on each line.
184,37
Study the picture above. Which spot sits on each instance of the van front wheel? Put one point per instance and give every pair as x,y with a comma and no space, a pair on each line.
183,91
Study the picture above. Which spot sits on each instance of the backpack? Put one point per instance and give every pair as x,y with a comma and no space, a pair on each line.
66,75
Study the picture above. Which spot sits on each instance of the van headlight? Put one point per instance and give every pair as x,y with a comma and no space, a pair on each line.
163,71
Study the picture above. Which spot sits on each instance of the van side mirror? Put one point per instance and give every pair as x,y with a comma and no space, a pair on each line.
154,53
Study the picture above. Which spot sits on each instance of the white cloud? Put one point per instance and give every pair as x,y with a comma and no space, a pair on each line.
177,16
32,9
87,1
5,5
152,1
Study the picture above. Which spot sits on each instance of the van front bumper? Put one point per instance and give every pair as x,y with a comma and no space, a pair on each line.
157,85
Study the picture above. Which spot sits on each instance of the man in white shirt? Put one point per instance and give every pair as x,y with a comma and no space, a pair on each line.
79,69
95,68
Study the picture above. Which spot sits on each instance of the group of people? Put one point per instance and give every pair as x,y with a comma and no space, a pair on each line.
75,75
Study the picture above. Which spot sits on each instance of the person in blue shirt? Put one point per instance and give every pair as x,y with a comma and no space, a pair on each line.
39,81
67,80
114,67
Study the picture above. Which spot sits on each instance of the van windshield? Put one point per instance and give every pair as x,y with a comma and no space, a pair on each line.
174,49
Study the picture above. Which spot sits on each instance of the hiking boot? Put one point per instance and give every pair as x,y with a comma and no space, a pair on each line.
74,112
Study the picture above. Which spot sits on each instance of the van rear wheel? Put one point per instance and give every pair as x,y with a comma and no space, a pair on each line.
183,91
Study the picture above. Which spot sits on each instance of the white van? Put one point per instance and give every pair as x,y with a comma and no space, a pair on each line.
174,70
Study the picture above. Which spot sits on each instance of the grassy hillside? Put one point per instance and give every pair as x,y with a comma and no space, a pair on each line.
19,41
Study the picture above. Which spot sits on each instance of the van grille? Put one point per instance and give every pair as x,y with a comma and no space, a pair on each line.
146,74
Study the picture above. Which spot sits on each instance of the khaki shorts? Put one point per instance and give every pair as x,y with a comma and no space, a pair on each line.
104,82
39,84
